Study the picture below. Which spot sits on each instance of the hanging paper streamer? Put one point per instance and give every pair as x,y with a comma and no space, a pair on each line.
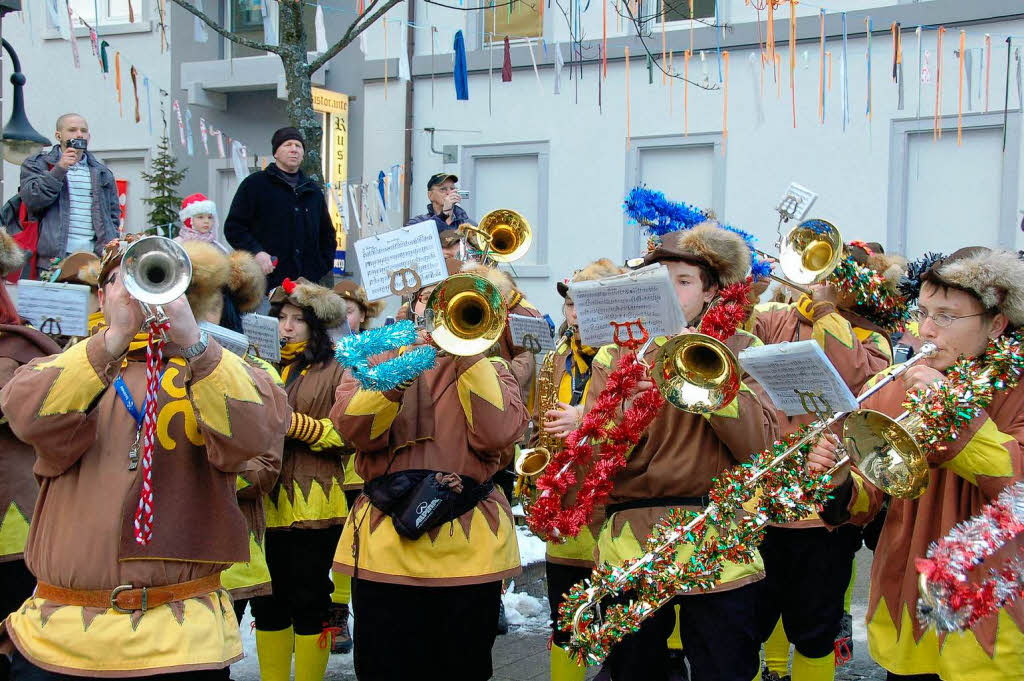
403,57
269,12
506,65
220,142
103,58
921,64
628,142
199,32
1006,96
385,29
559,65
94,42
897,63
867,26
117,76
203,136
131,13
135,92
319,29
960,93
149,105
460,71
71,36
533,60
792,57
239,160
845,94
937,121
725,100
188,132
181,123
55,19
380,189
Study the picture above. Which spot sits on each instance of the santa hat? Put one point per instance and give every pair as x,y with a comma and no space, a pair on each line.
196,204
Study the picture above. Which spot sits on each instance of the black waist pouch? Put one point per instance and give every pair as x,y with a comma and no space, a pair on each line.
420,500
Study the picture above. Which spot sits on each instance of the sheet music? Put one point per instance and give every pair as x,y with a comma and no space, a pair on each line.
65,305
536,327
262,333
646,293
784,368
228,339
417,247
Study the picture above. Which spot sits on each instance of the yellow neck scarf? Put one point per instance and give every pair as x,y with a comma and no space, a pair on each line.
582,355
292,350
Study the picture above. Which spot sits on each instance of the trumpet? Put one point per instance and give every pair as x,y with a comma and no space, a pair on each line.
465,315
503,235
904,473
155,270
696,373
808,254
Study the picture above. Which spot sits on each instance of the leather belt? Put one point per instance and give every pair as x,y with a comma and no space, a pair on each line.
127,598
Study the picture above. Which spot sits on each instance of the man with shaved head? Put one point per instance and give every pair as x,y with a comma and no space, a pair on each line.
73,195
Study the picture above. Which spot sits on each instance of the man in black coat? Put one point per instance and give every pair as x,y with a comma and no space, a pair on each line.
281,215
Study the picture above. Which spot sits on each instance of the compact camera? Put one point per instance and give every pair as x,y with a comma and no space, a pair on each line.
78,143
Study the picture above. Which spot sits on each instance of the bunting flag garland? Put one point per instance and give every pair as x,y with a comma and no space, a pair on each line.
460,72
135,92
71,37
104,63
380,189
188,132
117,77
94,43
181,123
506,65
220,142
203,137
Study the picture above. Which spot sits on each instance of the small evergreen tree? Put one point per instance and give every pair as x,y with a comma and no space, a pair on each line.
163,181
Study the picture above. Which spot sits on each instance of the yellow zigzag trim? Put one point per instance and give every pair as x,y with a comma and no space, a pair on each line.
230,379
833,324
480,379
76,386
283,511
13,531
373,403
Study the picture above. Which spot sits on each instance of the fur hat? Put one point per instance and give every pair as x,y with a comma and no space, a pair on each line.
247,284
599,269
326,305
113,253
210,272
81,267
994,277
350,290
12,258
722,251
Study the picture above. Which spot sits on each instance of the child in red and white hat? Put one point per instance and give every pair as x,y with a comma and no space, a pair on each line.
198,218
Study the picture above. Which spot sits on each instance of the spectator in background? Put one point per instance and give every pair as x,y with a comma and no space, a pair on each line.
281,215
71,192
444,208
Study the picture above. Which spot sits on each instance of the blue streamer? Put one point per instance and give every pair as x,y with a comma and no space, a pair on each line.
354,352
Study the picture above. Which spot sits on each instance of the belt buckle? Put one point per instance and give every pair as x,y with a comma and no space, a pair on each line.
117,591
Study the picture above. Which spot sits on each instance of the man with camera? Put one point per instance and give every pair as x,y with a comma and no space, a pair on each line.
444,208
73,195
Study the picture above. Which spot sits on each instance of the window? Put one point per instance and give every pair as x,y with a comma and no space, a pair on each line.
111,11
247,21
679,10
522,19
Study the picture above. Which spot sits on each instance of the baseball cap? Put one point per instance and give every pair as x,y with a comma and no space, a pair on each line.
438,178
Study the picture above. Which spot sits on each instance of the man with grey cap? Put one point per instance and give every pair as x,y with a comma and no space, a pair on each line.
444,208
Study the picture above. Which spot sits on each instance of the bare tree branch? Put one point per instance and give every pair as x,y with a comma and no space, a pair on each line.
233,37
357,27
637,24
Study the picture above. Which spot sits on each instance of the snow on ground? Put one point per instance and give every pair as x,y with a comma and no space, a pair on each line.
522,609
531,547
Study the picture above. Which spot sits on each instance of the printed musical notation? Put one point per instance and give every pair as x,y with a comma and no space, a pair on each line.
389,257
785,370
645,294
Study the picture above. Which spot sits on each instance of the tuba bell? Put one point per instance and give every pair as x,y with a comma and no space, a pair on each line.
696,373
808,254
503,235
465,314
155,270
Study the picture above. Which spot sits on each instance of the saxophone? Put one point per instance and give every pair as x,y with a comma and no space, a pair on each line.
531,462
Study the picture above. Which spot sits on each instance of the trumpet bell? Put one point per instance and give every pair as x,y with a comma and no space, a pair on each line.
156,270
885,451
696,373
465,314
810,251
503,234
531,462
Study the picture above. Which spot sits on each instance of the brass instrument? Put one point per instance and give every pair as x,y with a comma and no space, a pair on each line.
465,314
898,482
503,235
808,254
696,373
155,270
531,462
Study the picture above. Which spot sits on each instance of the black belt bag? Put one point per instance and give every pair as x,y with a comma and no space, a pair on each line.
420,500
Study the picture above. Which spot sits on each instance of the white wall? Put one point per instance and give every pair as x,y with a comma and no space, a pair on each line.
588,153
56,87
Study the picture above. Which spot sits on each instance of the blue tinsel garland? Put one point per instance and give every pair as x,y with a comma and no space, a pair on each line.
354,352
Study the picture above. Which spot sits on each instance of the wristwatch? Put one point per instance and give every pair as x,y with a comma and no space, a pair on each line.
196,349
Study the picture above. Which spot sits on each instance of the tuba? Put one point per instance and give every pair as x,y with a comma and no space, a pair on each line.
808,254
465,315
696,373
503,235
531,462
155,270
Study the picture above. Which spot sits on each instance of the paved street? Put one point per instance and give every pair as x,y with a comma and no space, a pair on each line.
522,654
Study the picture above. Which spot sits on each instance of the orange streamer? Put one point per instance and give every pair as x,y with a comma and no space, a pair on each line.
792,56
988,66
769,40
725,100
960,93
117,75
937,124
628,143
686,92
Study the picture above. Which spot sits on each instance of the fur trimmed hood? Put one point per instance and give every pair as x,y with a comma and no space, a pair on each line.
326,305
723,251
599,269
995,277
12,258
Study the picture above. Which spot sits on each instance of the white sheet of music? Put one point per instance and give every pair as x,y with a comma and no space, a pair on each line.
54,308
388,256
262,332
522,326
646,294
784,368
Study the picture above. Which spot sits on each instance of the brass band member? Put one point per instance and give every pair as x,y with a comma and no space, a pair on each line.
570,368
105,604
966,299
809,568
672,466
427,573
19,344
306,508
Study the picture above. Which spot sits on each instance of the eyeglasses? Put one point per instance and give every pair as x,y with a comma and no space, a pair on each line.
941,320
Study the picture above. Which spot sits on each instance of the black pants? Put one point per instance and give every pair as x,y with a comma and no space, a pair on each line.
16,585
300,575
807,574
424,633
560,579
23,670
719,630
239,606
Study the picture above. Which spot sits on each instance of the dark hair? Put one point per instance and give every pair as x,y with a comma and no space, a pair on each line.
320,347
229,315
708,277
931,278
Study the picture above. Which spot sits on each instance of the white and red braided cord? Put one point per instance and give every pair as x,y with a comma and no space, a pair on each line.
154,360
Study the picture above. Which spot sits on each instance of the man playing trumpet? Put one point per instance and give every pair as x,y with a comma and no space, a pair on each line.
966,300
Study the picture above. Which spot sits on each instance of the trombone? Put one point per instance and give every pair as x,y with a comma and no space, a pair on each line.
465,315
503,235
155,270
696,373
893,461
807,254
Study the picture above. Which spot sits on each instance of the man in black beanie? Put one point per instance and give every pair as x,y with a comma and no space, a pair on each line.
280,215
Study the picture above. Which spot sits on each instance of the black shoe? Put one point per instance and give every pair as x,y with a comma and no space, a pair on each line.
769,675
502,620
337,622
677,669
844,641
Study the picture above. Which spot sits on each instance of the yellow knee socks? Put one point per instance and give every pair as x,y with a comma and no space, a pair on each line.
274,651
849,589
563,667
342,588
814,669
311,655
675,641
776,651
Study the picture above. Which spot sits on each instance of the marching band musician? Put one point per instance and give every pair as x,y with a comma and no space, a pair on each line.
306,508
108,602
19,343
673,465
559,414
967,299
430,539
809,568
